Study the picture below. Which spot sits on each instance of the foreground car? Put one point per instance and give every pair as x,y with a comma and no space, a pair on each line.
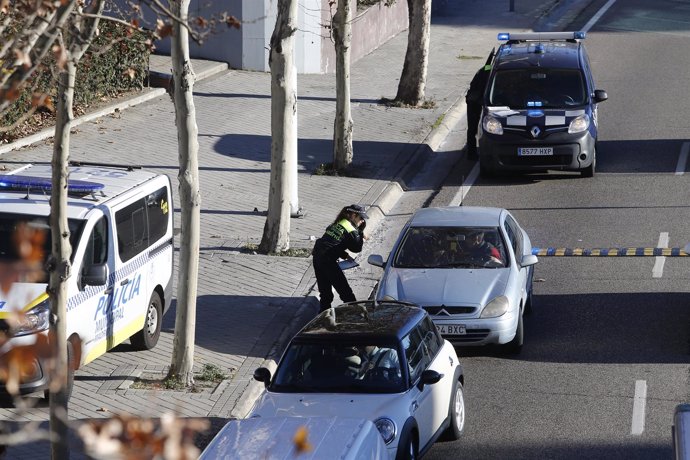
383,361
474,298
270,438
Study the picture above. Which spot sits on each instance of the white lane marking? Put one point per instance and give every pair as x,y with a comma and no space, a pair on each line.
465,187
658,270
598,16
639,404
683,159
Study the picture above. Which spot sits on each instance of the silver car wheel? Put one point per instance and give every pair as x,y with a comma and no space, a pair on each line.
459,408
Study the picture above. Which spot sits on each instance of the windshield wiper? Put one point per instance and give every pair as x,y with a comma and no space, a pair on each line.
457,265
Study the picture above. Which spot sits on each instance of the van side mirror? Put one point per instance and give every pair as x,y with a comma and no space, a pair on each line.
94,275
263,375
600,95
429,377
376,260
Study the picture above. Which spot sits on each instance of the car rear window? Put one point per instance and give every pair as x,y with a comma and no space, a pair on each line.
537,87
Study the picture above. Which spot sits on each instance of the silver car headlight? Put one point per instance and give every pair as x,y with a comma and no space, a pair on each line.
35,320
387,429
496,307
492,125
579,124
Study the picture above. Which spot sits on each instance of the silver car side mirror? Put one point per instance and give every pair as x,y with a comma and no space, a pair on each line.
528,260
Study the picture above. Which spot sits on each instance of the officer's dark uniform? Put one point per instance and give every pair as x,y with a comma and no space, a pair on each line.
474,100
339,236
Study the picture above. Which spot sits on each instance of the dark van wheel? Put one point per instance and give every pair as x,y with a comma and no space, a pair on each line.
456,414
147,338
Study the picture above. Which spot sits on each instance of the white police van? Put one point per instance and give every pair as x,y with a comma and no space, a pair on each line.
121,231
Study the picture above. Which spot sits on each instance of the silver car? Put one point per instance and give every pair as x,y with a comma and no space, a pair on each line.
471,269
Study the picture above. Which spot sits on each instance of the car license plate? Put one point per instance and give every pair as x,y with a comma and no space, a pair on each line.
453,329
535,151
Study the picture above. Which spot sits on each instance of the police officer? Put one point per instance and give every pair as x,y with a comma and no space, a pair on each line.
345,233
474,100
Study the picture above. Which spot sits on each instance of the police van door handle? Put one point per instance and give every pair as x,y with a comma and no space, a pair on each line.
109,290
123,282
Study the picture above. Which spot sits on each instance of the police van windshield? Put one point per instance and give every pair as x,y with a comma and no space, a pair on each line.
25,245
537,88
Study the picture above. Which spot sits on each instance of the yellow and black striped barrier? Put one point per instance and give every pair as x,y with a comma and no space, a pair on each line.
609,252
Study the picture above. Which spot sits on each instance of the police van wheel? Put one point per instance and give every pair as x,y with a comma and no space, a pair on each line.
147,338
589,170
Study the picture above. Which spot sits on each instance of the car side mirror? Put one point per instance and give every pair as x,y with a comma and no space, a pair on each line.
429,377
376,260
529,259
94,275
600,95
263,375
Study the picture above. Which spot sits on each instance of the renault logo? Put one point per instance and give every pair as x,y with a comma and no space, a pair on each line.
535,131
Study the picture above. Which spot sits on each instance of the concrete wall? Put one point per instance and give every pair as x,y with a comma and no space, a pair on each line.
248,47
371,28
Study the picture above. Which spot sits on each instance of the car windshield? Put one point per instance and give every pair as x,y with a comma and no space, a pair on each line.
25,244
537,87
339,368
451,247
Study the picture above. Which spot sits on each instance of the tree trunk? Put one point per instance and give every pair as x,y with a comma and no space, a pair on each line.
190,198
276,236
413,79
342,132
60,261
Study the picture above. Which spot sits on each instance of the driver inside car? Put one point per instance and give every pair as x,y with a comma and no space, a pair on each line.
477,248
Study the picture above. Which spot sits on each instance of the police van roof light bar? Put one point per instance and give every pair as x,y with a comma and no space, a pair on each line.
541,36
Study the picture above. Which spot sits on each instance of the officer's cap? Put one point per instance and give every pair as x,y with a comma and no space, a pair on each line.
357,209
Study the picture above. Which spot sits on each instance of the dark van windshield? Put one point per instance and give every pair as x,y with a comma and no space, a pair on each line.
537,87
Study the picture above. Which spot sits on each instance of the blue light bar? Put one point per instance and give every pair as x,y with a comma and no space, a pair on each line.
541,36
579,35
503,36
19,183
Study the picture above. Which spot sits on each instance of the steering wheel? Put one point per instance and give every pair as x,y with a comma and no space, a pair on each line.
379,374
491,262
567,99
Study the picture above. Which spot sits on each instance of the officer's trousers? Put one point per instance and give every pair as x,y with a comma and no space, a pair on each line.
329,276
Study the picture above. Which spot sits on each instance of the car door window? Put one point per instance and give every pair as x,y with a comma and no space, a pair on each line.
415,354
432,339
514,235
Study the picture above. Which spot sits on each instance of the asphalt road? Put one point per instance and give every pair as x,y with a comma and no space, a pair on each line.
606,355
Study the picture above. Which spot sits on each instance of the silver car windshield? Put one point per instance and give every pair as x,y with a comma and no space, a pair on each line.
339,368
451,247
537,88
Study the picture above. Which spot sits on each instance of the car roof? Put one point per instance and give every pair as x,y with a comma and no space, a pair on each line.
446,216
390,320
556,54
114,182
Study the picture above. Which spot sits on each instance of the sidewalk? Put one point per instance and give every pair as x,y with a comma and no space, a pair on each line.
249,306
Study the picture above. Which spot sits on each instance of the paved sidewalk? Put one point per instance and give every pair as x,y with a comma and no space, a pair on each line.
250,305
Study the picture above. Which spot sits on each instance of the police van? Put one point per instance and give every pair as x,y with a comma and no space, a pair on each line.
121,231
540,106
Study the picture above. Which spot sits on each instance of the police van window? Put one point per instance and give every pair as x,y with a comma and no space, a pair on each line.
158,209
132,230
97,248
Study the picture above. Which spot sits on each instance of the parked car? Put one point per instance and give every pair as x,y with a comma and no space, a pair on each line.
383,361
274,438
476,296
540,106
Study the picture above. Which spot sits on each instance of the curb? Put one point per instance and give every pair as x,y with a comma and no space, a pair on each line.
254,389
